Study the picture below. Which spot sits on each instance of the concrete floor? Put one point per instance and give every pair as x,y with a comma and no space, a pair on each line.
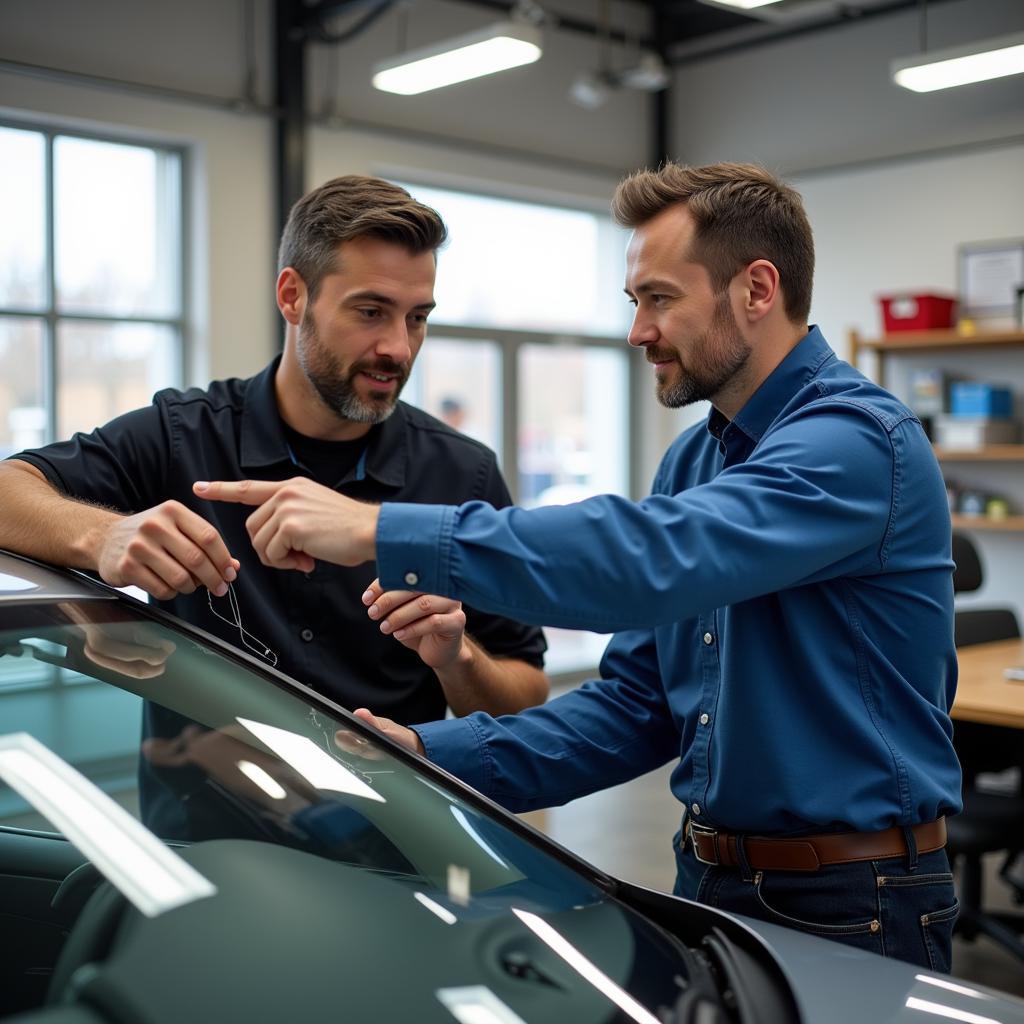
627,832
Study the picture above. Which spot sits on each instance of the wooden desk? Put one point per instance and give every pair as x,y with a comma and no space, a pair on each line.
983,693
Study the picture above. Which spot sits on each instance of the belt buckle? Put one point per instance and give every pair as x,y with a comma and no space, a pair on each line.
693,830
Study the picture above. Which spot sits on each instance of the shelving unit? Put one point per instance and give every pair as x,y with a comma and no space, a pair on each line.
892,346
990,453
1010,523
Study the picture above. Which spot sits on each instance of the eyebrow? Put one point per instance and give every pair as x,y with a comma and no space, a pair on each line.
654,285
384,300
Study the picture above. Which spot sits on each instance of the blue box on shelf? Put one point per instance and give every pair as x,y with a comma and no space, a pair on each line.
972,398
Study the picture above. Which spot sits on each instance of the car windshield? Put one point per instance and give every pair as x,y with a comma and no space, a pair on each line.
199,746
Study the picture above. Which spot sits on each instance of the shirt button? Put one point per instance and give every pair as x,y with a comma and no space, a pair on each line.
705,718
709,639
695,808
412,579
307,635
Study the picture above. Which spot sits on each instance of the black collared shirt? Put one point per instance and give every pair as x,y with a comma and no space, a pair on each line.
315,623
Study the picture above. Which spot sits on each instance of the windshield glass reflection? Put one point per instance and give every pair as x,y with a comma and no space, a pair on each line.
220,752
199,747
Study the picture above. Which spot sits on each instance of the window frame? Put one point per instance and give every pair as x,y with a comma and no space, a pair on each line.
47,313
509,343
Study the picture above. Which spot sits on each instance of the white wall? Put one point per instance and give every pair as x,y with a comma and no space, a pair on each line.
826,98
896,227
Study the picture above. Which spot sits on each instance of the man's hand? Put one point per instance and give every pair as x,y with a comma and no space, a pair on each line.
434,627
133,649
399,733
298,521
166,550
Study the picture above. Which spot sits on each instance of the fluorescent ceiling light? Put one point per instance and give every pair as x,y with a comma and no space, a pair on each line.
742,5
149,874
961,65
505,45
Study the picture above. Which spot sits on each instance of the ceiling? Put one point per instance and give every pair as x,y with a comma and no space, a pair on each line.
684,29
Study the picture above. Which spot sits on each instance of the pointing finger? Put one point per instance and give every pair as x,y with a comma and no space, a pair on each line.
242,492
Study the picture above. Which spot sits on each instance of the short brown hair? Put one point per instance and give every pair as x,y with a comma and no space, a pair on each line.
353,206
742,213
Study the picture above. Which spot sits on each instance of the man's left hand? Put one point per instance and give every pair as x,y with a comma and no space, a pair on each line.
434,627
298,521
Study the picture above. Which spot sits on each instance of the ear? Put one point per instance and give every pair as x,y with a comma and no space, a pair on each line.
291,295
761,289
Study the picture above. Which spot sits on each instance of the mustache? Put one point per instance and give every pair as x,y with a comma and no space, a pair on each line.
382,365
654,356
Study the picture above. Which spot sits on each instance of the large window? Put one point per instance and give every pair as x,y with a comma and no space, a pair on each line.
526,353
91,303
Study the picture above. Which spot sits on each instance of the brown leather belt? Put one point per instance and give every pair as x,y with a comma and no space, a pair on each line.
808,853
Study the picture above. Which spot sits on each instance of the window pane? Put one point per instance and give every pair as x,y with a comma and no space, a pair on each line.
22,406
117,216
573,425
107,369
23,216
460,382
528,267
573,443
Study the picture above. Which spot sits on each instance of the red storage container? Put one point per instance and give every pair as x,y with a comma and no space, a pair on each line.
916,312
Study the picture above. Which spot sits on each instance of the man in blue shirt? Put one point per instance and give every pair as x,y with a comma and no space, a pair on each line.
782,601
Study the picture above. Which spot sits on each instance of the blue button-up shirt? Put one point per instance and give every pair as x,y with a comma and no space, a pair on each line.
784,608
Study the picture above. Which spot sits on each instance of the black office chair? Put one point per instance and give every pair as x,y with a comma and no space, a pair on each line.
990,821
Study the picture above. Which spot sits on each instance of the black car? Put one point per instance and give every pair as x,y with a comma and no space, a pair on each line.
186,834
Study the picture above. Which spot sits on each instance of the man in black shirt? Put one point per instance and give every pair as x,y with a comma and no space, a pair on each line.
357,260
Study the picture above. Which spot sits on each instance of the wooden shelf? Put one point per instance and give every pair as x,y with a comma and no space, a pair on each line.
1010,523
935,341
990,453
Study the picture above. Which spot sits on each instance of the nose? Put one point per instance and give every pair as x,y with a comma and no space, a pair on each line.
643,330
394,342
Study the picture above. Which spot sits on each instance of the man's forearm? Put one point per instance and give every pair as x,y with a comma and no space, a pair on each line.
476,681
38,521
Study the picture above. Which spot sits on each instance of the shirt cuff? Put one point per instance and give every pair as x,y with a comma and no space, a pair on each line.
457,746
414,547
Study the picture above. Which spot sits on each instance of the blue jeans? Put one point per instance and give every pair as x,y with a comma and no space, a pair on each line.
889,906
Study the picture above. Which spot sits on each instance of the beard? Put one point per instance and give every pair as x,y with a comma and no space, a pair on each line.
336,385
715,357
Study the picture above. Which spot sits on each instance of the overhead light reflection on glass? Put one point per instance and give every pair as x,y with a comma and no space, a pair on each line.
949,1012
461,818
588,970
313,763
477,1004
459,888
435,908
149,874
254,773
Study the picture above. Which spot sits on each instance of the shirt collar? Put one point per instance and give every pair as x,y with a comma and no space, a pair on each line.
801,365
263,441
